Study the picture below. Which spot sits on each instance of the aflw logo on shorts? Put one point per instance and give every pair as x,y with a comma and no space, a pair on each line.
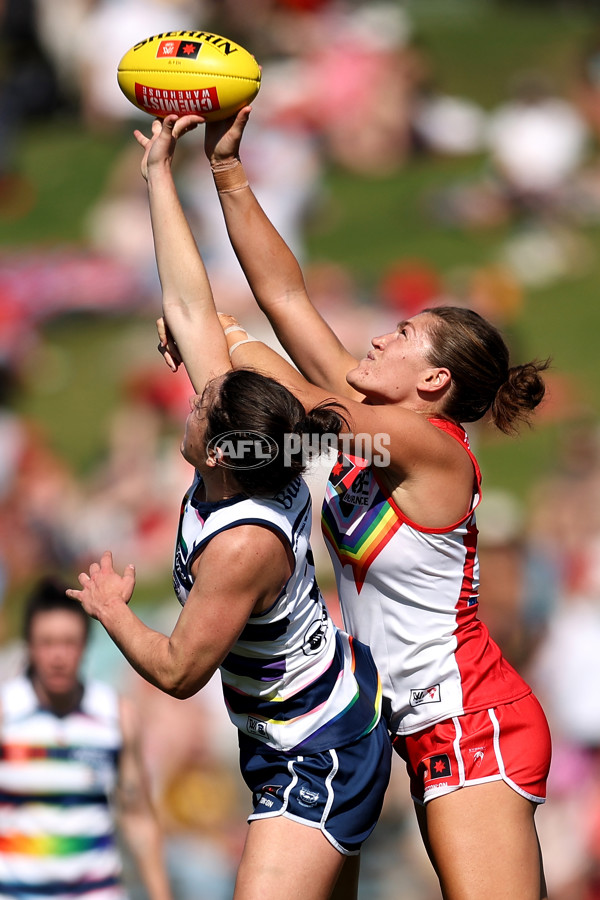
425,695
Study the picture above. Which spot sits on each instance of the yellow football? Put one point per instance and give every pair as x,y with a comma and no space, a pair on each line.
185,72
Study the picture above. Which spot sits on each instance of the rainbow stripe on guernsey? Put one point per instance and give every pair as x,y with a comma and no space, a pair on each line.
53,845
358,708
57,777
292,680
411,593
376,711
32,752
361,521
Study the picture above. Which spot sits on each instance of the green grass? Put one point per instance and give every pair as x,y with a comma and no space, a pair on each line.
75,382
477,46
68,168
370,223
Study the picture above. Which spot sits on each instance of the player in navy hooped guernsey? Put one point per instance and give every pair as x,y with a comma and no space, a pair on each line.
304,696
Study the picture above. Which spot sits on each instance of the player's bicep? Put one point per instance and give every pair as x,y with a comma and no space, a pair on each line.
237,569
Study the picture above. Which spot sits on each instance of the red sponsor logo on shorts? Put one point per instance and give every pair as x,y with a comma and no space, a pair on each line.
439,766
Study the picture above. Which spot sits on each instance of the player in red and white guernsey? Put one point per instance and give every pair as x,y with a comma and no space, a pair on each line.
403,539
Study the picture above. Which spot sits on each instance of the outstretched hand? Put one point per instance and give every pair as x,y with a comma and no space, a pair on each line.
222,139
167,346
104,587
160,147
229,321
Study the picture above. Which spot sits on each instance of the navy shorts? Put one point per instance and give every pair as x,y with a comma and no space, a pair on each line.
337,791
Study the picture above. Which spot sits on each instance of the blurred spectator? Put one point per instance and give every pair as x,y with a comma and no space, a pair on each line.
346,70
517,585
564,529
198,793
339,297
546,251
564,515
200,796
128,496
495,292
449,125
117,226
58,24
28,89
537,144
360,77
586,88
537,149
70,749
566,670
108,30
35,488
408,286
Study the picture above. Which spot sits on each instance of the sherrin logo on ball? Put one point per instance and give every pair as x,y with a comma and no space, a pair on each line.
184,72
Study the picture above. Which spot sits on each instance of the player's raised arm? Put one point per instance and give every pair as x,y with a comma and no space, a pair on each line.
271,268
188,304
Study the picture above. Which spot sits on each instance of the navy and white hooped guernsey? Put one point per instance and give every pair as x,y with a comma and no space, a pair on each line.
293,680
57,777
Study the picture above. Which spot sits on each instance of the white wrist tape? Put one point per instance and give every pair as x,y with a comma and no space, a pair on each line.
247,340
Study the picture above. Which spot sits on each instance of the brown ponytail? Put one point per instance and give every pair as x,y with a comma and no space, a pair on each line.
482,380
516,399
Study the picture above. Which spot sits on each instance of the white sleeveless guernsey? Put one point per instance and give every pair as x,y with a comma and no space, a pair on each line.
292,681
57,775
411,594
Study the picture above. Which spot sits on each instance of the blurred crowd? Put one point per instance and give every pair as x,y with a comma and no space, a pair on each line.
538,186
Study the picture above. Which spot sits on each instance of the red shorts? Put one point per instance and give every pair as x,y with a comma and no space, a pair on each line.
509,743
